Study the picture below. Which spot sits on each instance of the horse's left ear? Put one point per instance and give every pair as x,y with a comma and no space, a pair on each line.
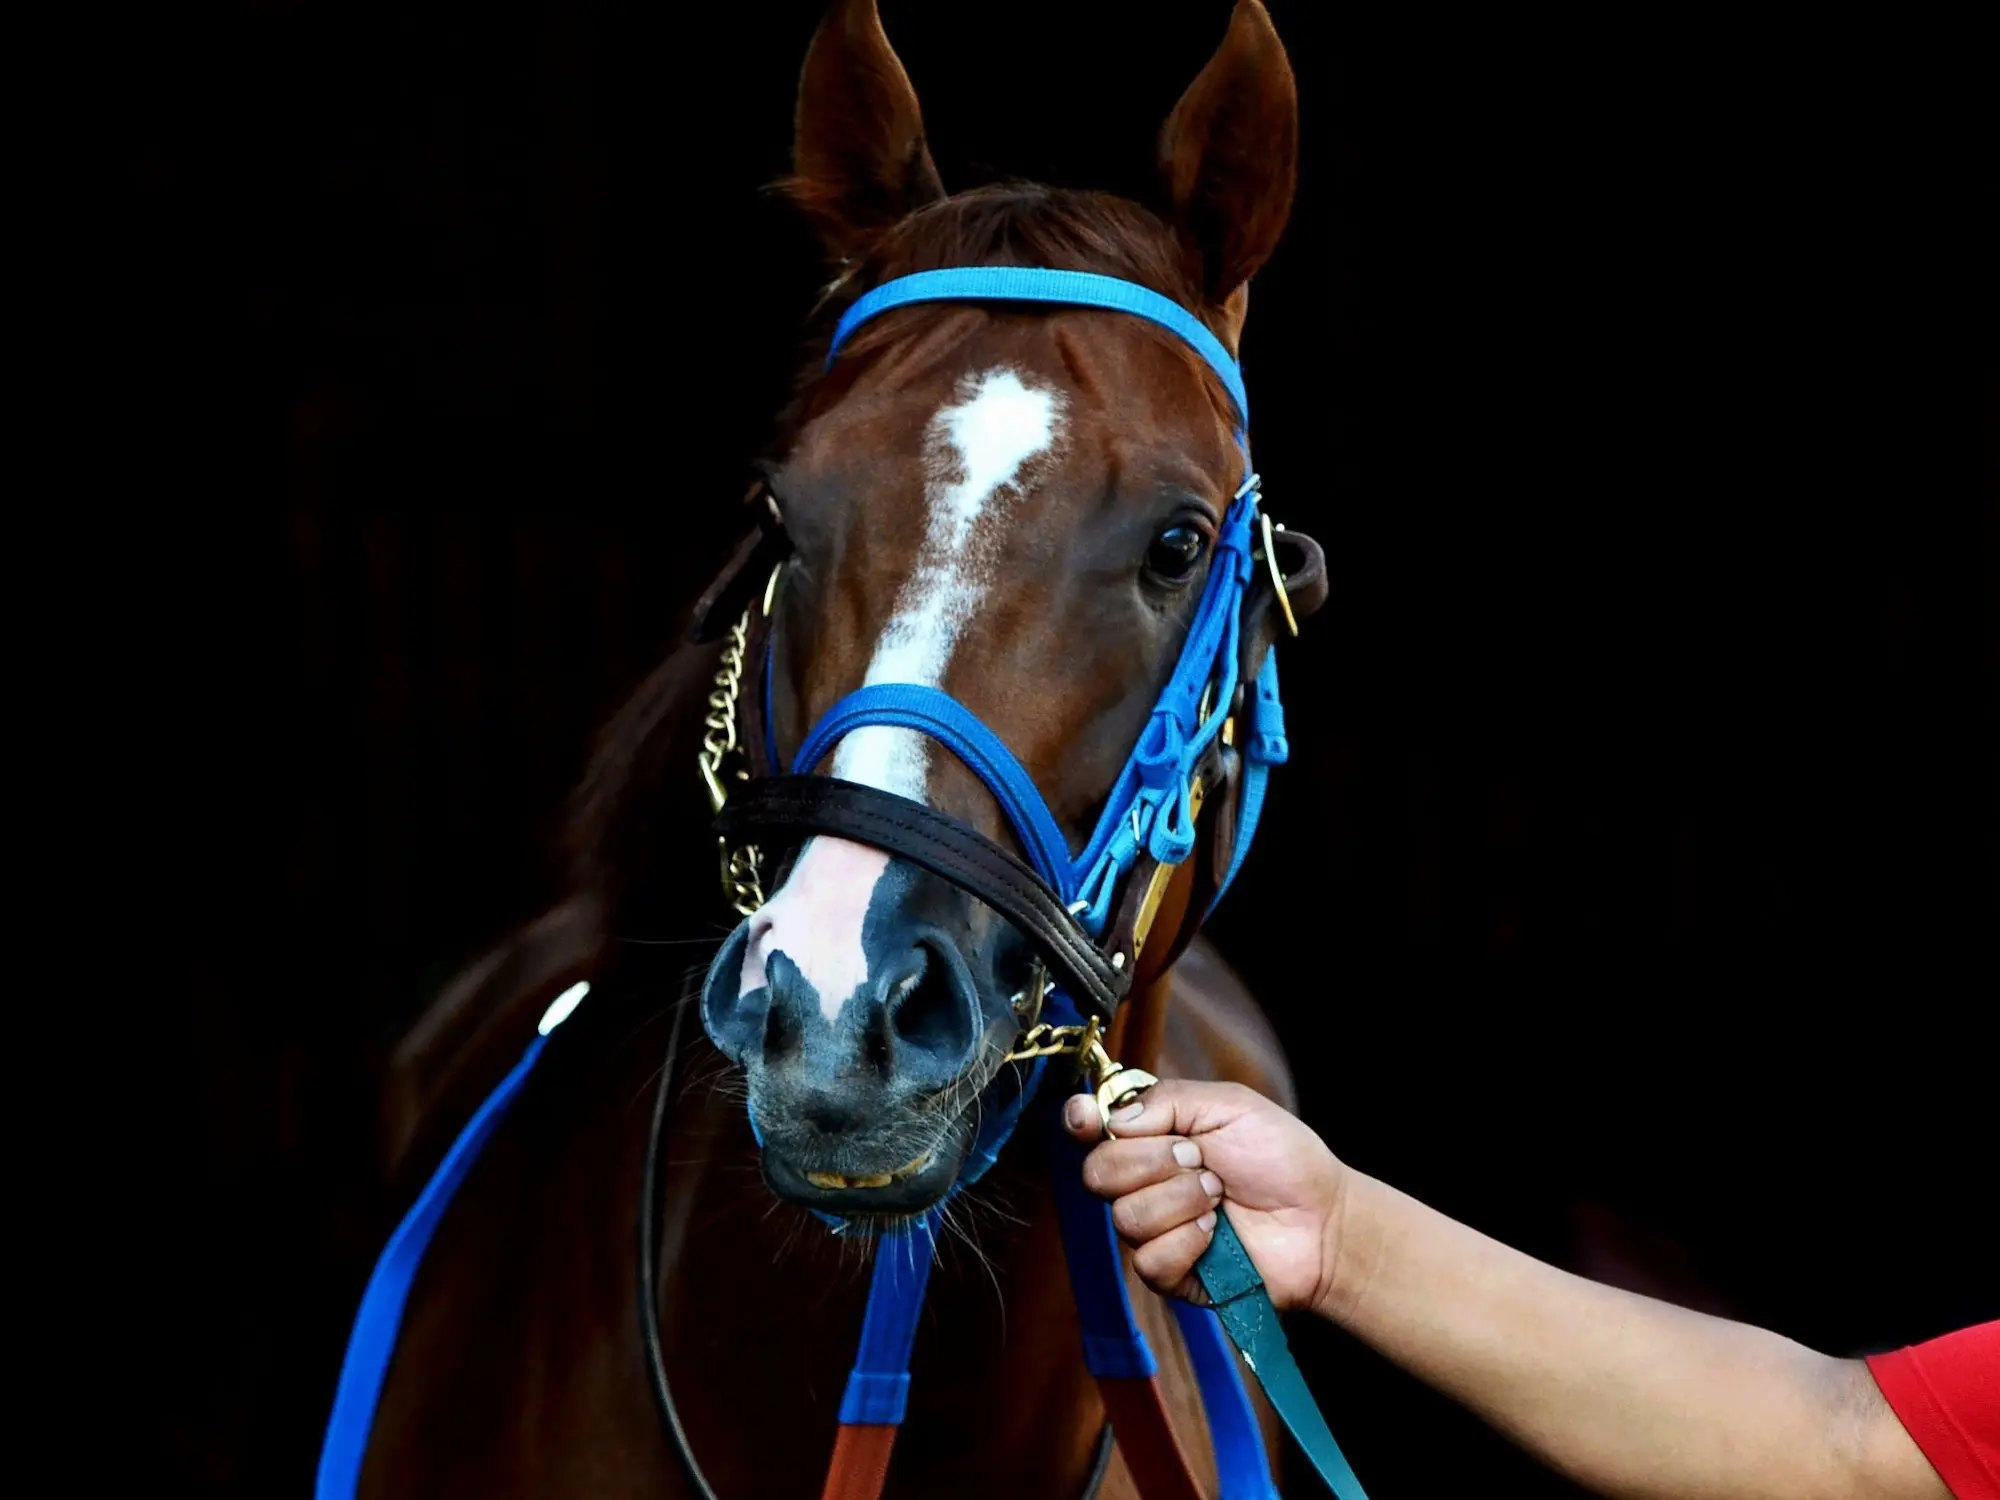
1229,154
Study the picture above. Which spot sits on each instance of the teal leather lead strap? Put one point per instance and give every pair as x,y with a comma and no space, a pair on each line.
1230,1278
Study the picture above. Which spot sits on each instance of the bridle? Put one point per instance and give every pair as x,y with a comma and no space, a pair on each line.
1211,740
1093,920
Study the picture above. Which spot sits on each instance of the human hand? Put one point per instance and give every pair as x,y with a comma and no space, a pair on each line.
1187,1148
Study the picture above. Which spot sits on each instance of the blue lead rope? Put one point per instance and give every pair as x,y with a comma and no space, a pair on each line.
373,1341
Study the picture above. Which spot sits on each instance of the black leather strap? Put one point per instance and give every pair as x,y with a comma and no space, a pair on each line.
792,807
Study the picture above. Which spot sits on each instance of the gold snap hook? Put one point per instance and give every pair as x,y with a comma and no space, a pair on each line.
1120,1089
1113,1086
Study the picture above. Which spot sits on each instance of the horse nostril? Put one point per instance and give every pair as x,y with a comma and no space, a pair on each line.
930,1014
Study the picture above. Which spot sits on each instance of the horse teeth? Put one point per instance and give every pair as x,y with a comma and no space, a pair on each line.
842,1182
839,1181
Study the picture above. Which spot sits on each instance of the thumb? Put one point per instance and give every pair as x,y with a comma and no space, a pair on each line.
1176,1106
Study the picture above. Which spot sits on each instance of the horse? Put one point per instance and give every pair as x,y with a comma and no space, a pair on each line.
1018,506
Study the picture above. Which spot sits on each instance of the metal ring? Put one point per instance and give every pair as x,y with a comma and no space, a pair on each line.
1277,578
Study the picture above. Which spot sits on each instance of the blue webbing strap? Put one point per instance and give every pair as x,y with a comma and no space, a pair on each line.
1264,746
1113,1345
373,1340
1155,778
1067,288
878,1387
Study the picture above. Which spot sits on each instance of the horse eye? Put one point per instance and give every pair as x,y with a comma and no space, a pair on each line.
1174,552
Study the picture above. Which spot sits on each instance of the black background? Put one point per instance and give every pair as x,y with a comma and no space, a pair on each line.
1632,895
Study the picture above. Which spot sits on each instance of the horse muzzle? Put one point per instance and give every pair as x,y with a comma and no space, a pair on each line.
863,1034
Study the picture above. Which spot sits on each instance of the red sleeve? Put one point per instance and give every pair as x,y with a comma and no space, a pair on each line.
1947,1393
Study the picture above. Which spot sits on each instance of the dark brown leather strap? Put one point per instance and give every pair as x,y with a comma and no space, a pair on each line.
742,578
791,807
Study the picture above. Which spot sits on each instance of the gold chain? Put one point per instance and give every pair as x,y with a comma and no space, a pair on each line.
742,879
1046,1040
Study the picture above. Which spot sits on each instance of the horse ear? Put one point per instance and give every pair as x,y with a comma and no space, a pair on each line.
1229,153
859,161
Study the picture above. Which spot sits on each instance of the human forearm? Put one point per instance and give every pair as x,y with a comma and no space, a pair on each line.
1629,1396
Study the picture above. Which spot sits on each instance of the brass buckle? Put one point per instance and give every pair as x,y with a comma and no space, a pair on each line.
1277,578
1163,876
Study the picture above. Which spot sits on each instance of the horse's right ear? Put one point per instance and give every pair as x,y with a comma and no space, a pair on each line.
859,160
1229,155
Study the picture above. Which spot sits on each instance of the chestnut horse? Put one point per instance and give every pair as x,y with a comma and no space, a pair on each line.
1016,506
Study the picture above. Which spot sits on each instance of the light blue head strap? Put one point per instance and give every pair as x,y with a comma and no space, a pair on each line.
1063,288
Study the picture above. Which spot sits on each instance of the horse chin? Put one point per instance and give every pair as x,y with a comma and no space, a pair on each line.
834,1184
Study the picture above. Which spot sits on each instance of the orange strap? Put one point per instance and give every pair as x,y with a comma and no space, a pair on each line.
860,1464
1138,1412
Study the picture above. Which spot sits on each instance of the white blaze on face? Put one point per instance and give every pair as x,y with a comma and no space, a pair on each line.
974,452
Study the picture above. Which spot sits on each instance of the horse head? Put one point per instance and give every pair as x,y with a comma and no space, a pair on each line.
1015,506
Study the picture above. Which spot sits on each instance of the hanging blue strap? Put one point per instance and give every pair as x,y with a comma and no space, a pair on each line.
373,1340
878,1387
1114,1347
1264,746
1068,288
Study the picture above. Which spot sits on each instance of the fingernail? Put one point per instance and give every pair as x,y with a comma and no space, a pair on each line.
1129,1113
1206,1222
1077,1112
1187,1153
1211,1185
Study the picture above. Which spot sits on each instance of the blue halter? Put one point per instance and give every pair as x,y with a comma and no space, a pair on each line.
1148,811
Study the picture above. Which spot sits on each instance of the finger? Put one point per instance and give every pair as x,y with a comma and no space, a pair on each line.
1080,1118
1153,1211
1179,1106
1116,1168
1166,1264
